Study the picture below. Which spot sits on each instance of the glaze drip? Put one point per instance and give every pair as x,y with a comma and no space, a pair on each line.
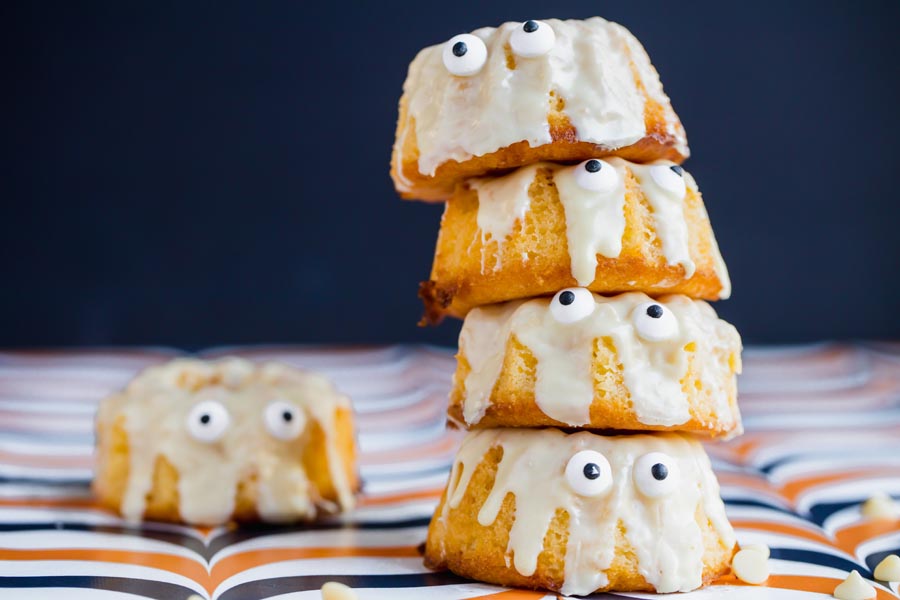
154,408
502,202
663,532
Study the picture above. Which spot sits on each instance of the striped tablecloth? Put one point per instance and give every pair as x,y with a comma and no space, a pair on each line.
823,434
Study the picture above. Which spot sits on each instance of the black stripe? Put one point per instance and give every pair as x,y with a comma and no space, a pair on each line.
174,538
820,558
159,590
82,483
820,512
246,532
266,588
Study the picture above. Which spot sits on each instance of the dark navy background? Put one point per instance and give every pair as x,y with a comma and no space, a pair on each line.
196,173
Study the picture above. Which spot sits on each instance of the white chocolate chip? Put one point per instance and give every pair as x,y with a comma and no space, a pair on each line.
751,566
758,547
880,506
888,569
337,591
854,588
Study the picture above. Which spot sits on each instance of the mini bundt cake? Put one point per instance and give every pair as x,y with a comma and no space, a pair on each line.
608,225
580,513
207,442
500,98
627,362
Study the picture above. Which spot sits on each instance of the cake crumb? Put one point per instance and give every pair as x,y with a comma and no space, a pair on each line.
854,588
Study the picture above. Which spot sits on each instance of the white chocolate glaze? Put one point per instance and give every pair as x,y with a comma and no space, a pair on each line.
502,202
664,532
155,408
595,220
668,218
564,385
597,67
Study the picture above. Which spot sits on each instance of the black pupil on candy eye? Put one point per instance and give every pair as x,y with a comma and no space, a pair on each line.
591,471
205,419
659,471
592,166
460,49
566,298
677,170
654,311
287,416
530,26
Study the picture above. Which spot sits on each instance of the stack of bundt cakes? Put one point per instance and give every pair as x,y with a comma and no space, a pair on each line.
580,255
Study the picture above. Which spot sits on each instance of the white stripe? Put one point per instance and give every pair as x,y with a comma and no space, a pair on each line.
337,538
91,568
888,541
809,466
442,592
326,566
50,593
50,473
857,490
36,540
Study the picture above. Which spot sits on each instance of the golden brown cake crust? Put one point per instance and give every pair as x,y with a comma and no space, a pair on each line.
565,148
464,546
469,270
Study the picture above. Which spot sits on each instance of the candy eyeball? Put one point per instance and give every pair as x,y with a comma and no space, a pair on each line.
283,420
572,305
655,474
596,176
532,39
654,322
670,178
588,473
207,421
464,54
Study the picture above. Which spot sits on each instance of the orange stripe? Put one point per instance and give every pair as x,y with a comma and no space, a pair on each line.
803,583
749,482
793,489
783,528
236,563
431,494
852,536
50,503
743,449
166,562
53,460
